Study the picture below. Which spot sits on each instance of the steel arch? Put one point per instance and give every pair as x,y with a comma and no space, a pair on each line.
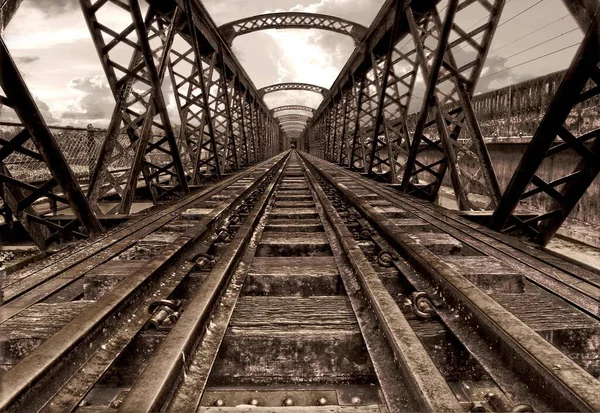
292,107
292,86
293,117
292,20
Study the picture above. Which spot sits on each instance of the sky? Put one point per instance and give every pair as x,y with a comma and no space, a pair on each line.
52,47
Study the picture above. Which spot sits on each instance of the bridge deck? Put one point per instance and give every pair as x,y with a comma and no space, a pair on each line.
299,283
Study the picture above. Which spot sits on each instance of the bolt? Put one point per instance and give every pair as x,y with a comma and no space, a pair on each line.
288,402
355,400
477,407
254,402
322,401
219,402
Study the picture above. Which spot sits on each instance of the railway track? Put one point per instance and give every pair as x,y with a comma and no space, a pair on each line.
299,286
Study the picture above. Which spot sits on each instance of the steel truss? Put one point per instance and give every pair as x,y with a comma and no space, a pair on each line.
447,107
292,107
555,135
24,196
292,86
293,117
370,100
225,124
215,107
377,88
140,111
292,20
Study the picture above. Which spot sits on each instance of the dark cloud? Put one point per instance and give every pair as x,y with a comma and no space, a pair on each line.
53,7
493,64
26,59
9,115
96,102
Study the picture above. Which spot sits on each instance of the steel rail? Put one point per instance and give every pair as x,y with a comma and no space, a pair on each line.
573,385
426,382
165,368
21,380
77,263
578,286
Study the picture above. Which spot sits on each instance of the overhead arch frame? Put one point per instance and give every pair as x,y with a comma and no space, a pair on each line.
293,117
292,20
292,107
293,86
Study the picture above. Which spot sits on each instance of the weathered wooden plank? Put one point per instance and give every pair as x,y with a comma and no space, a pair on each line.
569,329
294,213
293,244
302,276
488,273
22,333
292,340
439,244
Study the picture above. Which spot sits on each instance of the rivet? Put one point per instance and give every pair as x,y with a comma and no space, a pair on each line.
322,401
288,402
254,402
219,402
355,400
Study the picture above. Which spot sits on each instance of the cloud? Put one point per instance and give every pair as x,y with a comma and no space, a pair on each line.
26,59
9,115
94,104
54,7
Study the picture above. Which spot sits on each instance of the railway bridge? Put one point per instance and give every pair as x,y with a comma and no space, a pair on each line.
411,243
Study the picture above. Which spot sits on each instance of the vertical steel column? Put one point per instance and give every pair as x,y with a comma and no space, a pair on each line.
430,102
356,137
343,143
379,118
21,101
563,192
160,107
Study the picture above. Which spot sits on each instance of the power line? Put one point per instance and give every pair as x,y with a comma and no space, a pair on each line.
529,61
541,43
520,13
501,24
530,33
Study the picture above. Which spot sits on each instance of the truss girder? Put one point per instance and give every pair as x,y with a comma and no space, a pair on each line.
24,196
292,20
447,125
140,112
293,117
292,86
380,142
292,107
555,135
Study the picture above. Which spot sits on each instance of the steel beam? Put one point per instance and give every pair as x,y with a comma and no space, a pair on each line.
292,20
136,89
581,84
20,196
292,86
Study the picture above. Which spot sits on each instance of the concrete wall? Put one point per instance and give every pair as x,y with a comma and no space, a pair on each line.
510,116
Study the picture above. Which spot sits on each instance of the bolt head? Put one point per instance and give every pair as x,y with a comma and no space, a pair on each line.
322,401
288,402
219,402
355,400
254,402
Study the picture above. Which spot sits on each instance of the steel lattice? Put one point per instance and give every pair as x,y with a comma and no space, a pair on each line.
292,20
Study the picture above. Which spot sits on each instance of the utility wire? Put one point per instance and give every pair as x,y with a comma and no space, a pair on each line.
530,33
501,24
541,43
530,60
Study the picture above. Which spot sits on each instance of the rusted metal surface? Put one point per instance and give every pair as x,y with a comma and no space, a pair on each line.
292,20
575,386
